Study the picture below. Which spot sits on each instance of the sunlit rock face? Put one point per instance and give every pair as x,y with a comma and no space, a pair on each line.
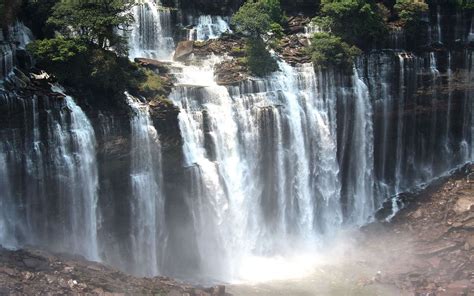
231,175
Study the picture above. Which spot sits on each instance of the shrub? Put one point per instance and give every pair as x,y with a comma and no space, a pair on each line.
357,22
81,66
252,19
466,4
273,9
150,84
96,22
328,50
259,61
411,15
410,11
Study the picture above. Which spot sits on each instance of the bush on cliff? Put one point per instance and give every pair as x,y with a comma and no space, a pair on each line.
358,22
95,22
466,4
88,54
79,65
254,19
259,61
327,50
411,13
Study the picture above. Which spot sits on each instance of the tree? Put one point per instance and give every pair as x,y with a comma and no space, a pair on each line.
411,14
410,11
466,4
328,50
357,22
273,9
252,19
96,22
259,60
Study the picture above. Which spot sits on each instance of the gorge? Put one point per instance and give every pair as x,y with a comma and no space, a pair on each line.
217,179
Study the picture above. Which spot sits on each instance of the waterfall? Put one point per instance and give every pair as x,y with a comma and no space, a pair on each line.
50,176
263,162
208,27
147,203
21,34
7,213
151,35
362,162
6,60
81,170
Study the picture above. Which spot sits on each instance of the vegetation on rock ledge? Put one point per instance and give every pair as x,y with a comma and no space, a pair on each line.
357,22
254,19
89,54
329,50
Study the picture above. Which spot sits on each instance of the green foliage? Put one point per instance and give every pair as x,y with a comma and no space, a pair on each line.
357,22
255,18
96,22
277,30
411,16
329,50
56,49
410,11
466,4
259,61
150,83
252,19
273,9
77,64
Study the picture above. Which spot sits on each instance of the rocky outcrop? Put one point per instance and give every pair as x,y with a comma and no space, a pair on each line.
231,45
33,272
231,72
183,50
296,24
437,232
293,49
155,65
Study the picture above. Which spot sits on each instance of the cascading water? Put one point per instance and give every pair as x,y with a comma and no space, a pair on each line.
150,35
147,203
208,27
264,163
272,167
6,60
62,169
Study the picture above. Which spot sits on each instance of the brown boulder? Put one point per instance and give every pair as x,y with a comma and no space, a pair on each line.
183,50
